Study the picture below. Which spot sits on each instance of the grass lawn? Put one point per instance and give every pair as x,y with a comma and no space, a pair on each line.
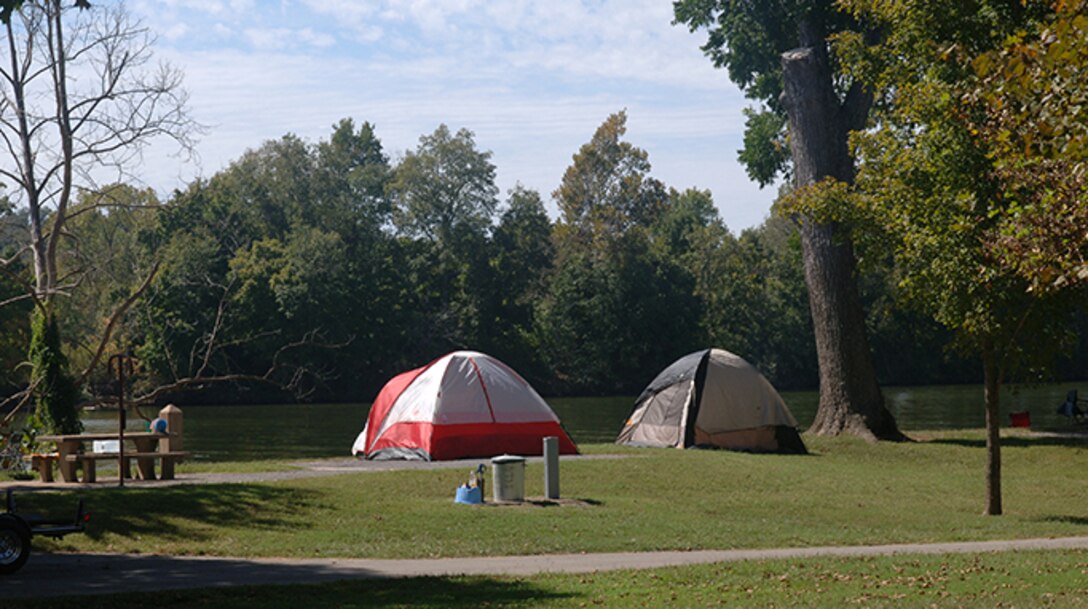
232,467
977,581
847,492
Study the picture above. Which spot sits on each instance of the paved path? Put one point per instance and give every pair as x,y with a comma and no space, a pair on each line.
305,469
69,574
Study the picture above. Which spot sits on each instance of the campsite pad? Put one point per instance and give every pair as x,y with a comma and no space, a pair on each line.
539,502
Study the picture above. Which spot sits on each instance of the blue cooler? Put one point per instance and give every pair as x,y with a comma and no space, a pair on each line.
469,494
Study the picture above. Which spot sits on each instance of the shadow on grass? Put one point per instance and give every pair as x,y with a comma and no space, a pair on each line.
531,502
163,512
435,592
173,582
1017,441
1077,520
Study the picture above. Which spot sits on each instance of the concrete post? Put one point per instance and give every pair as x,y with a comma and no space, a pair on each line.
551,467
175,427
174,441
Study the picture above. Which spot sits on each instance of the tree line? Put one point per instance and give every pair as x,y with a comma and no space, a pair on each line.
320,270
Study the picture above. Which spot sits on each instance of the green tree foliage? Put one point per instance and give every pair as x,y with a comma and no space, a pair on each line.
522,258
445,188
292,248
764,304
16,307
578,324
444,202
270,262
612,283
52,386
351,174
747,39
182,305
607,190
608,324
8,7
765,155
110,257
908,344
750,289
928,182
1034,119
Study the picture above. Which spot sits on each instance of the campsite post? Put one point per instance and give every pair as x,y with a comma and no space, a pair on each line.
551,467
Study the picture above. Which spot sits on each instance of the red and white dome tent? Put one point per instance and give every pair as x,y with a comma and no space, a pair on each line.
464,404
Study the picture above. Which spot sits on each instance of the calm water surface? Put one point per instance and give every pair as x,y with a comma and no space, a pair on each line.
221,433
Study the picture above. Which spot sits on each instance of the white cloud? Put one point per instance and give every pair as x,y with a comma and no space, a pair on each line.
275,39
358,18
268,39
176,31
210,7
532,78
315,39
344,11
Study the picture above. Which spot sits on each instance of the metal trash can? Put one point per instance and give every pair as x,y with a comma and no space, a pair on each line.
508,478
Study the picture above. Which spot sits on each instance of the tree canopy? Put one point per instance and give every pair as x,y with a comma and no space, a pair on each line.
940,183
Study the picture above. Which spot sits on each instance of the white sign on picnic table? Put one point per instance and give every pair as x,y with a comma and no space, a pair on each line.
106,446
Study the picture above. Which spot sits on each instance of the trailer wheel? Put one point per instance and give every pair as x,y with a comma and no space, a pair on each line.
14,544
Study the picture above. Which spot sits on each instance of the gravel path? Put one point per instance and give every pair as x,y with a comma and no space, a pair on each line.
82,574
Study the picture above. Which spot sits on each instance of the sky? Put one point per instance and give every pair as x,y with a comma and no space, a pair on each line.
532,79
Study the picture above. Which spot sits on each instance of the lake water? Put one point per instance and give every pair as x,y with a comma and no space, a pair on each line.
220,433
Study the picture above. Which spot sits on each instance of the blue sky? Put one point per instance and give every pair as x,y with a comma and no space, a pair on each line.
532,79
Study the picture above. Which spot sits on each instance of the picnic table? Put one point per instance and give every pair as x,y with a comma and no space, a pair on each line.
71,452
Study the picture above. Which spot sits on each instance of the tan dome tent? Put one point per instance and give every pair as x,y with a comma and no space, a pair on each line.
715,399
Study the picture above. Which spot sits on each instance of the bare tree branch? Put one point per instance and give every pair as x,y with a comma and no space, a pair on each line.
219,314
15,299
290,378
114,319
30,293
20,399
62,134
5,262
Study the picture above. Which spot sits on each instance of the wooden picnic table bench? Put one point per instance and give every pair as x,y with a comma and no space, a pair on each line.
69,455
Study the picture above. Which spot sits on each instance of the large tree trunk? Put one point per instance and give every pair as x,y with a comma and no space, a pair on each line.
992,380
850,398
